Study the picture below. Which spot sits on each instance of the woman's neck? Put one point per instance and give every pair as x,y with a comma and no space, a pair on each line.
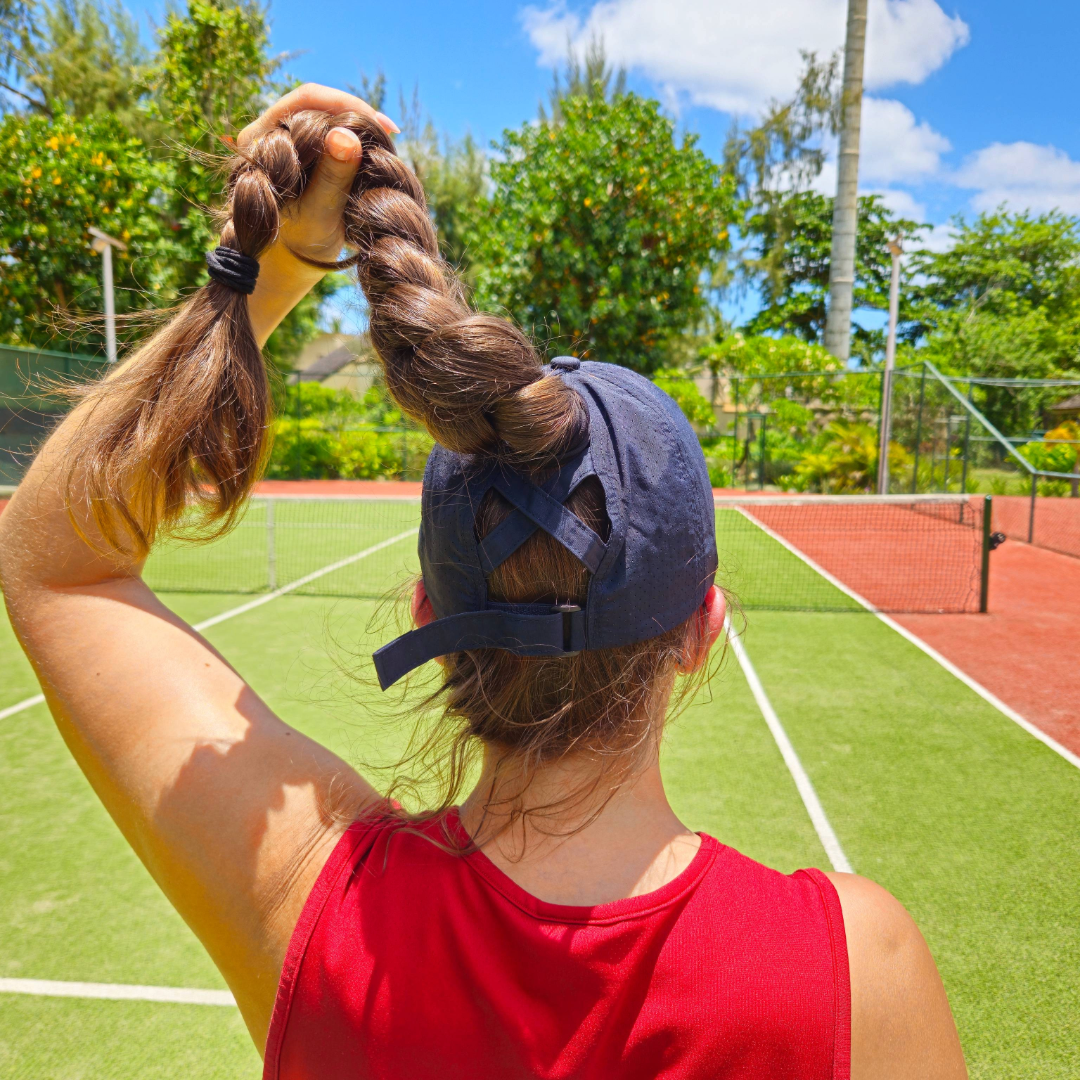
590,853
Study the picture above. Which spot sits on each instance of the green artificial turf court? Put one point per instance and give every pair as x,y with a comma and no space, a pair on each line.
970,821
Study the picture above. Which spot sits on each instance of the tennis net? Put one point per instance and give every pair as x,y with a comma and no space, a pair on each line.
323,546
917,553
920,553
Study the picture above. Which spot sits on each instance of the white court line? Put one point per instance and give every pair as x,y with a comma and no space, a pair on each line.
29,703
829,840
178,995
37,699
930,651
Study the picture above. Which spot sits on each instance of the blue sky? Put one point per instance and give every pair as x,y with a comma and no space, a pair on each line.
968,104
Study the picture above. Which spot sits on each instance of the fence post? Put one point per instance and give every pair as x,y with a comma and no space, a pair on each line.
918,432
984,571
967,442
735,432
1031,513
271,547
761,450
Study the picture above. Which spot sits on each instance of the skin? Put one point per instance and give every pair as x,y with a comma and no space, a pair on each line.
234,813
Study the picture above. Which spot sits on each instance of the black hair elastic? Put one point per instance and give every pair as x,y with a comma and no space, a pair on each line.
233,269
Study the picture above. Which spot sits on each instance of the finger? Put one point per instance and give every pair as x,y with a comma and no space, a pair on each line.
312,96
329,188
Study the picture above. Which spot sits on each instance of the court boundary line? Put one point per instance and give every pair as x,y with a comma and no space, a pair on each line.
988,696
807,792
299,583
175,995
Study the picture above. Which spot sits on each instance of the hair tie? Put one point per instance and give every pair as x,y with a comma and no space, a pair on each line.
233,269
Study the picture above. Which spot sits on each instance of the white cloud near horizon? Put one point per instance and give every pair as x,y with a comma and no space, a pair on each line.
1023,176
895,147
736,57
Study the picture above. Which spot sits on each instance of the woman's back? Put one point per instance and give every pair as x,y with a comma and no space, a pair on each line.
411,960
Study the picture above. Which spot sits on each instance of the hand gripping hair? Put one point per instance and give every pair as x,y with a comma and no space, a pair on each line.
185,419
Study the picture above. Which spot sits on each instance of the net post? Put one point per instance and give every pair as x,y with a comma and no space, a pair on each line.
1031,512
984,569
271,547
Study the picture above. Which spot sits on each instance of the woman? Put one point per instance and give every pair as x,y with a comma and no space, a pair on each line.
562,922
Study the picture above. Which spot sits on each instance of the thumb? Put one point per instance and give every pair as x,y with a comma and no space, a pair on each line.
329,188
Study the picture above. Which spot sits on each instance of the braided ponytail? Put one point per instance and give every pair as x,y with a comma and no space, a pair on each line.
185,420
474,381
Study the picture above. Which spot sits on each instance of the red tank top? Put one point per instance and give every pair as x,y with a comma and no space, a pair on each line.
410,962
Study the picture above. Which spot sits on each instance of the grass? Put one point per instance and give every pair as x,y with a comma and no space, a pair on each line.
966,818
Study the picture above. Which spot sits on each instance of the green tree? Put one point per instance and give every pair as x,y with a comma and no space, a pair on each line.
1003,302
211,76
16,27
82,59
780,156
600,229
795,293
58,176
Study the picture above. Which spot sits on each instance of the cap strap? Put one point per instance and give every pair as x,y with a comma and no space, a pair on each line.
551,516
557,633
516,528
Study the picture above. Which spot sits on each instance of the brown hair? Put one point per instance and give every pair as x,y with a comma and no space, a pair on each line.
185,421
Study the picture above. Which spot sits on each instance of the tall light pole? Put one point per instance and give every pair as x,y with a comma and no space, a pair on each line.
885,435
103,244
846,207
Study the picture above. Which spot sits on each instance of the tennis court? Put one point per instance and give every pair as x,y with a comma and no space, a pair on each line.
926,787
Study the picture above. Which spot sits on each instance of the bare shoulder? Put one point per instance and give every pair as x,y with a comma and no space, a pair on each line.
901,1024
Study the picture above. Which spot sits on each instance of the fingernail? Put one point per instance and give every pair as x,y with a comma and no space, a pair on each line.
387,123
342,144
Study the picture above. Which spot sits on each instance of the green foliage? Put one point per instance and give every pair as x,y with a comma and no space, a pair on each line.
1050,455
747,354
792,244
83,59
686,395
58,177
324,433
115,155
599,230
210,77
844,461
1003,302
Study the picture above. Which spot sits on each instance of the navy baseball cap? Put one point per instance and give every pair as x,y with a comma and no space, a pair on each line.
649,576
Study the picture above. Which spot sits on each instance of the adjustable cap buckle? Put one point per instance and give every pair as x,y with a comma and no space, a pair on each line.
573,629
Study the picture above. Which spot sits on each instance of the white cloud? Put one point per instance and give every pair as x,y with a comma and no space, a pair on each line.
894,147
1023,175
902,203
736,56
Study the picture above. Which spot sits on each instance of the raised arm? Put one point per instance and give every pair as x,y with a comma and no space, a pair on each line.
232,811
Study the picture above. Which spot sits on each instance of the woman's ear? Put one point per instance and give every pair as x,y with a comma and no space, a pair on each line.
711,613
422,611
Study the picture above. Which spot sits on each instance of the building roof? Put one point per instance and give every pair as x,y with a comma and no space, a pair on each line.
327,365
1070,404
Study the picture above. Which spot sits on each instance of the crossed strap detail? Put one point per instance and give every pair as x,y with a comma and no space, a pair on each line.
535,508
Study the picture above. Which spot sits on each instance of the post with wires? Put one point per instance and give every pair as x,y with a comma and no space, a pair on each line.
984,569
895,250
1031,512
103,244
